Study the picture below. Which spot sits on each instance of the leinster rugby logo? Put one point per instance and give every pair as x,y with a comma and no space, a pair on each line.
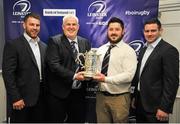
136,45
21,8
97,9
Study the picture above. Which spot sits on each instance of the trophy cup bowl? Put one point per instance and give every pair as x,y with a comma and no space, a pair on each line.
90,66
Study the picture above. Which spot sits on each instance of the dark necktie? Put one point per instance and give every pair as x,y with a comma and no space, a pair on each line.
105,62
74,49
76,84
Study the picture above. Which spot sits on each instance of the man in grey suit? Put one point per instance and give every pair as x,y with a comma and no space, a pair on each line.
157,77
23,73
66,91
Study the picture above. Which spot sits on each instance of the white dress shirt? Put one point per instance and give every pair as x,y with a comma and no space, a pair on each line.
121,70
76,43
35,49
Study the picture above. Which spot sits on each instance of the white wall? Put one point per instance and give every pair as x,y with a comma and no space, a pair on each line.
2,100
169,12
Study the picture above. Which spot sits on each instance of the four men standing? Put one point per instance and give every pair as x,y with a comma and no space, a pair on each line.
156,79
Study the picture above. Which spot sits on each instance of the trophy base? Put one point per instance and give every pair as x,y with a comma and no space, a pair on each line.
88,76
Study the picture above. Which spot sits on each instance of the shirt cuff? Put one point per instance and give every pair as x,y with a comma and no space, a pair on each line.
74,76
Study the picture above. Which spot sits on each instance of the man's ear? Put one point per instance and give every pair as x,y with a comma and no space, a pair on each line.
123,32
161,31
24,25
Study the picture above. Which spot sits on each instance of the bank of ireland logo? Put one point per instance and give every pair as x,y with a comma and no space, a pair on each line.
21,8
136,45
97,9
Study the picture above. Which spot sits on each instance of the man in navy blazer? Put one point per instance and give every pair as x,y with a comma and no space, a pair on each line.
23,73
157,77
66,101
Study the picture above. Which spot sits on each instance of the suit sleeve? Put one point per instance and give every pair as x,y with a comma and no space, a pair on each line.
88,45
9,68
170,79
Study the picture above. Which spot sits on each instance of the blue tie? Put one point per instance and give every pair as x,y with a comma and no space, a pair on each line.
105,62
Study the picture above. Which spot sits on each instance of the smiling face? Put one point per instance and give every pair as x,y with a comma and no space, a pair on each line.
115,32
152,32
32,27
70,27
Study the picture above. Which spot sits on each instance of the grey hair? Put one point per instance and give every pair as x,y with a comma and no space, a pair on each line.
70,16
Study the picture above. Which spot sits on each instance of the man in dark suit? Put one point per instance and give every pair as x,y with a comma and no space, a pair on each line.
23,73
66,98
157,77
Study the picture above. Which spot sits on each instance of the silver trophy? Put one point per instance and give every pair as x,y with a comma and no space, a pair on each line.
90,66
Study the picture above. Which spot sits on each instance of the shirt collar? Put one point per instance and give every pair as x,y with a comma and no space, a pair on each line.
76,41
154,44
117,44
29,39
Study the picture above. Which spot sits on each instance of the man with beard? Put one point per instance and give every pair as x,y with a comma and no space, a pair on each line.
23,73
118,66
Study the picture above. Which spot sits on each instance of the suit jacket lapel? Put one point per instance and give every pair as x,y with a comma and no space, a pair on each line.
26,44
42,53
140,58
80,45
154,52
66,43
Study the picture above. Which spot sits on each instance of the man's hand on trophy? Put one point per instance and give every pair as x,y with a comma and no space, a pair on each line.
80,76
99,77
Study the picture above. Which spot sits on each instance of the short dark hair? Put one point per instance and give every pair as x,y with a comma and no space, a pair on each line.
153,21
34,15
115,19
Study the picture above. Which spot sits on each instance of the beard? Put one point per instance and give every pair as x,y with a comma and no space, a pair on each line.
114,41
32,35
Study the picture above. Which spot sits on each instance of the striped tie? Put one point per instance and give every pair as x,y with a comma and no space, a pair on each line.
74,49
76,84
105,62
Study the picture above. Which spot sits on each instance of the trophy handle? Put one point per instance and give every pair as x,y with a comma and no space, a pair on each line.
79,61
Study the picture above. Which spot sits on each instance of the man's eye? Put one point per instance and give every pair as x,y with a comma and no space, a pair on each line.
150,31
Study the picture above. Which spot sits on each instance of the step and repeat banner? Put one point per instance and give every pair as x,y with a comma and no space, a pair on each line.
93,18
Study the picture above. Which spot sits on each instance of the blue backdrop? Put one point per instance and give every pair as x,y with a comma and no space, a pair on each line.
93,16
